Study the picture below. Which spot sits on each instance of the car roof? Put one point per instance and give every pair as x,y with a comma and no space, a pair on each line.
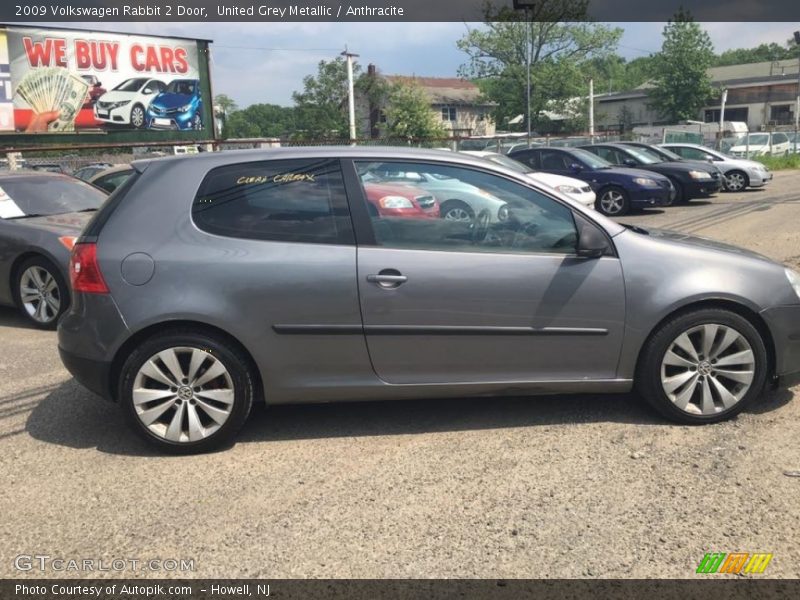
110,171
355,152
32,174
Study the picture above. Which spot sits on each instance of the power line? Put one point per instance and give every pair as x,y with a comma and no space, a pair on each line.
278,49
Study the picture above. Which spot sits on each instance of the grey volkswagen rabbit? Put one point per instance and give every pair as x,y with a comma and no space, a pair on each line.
207,283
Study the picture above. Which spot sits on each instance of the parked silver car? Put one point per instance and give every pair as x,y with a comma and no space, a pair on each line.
265,277
739,173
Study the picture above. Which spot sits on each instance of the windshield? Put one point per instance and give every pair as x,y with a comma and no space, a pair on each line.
28,196
665,153
645,156
131,85
181,87
509,163
759,139
594,161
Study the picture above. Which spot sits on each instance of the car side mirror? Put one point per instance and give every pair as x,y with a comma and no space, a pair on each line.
576,167
147,91
592,243
629,162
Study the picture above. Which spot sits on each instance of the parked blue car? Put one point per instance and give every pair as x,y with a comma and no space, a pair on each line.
179,107
618,190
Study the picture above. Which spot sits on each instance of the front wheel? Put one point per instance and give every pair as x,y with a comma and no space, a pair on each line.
735,181
137,116
456,210
703,366
41,292
613,202
186,392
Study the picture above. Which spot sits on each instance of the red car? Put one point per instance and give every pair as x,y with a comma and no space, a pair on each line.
401,201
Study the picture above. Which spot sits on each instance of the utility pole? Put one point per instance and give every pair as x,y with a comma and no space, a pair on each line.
797,102
722,118
591,111
528,69
351,102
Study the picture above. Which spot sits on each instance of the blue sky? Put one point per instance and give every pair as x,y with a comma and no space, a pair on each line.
266,62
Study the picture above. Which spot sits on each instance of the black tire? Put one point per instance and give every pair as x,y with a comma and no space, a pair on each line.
648,376
231,357
61,291
622,199
138,119
680,194
459,205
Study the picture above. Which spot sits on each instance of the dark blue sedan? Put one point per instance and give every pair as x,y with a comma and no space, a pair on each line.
618,190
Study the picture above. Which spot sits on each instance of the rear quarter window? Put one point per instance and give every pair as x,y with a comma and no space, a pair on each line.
281,200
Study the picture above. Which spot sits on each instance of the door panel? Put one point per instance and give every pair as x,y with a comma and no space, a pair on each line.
480,301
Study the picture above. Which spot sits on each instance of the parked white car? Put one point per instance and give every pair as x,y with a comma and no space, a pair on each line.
740,173
774,143
458,200
577,190
127,103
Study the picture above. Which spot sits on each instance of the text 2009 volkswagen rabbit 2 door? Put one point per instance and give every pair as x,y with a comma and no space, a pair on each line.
207,283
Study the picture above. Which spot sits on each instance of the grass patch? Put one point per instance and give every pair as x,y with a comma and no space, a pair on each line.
780,163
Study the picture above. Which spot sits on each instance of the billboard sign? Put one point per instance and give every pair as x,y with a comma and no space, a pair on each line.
68,81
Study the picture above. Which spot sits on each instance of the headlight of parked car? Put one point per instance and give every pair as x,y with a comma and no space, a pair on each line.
794,280
186,107
645,182
699,174
395,202
567,189
120,104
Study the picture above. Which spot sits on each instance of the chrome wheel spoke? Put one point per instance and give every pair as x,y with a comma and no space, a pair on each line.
224,396
198,358
684,343
673,383
196,431
146,395
153,371
214,371
709,335
724,394
675,360
219,416
682,399
707,407
739,376
151,414
175,429
745,357
729,338
170,360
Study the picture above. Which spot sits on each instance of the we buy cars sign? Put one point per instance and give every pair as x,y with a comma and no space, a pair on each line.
51,69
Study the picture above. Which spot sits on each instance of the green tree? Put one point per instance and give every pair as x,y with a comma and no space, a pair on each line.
225,103
409,114
560,45
762,53
681,84
260,120
321,108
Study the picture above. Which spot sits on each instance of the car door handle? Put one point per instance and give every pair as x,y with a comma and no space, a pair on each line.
388,278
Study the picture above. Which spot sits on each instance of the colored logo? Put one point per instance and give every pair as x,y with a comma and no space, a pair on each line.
735,562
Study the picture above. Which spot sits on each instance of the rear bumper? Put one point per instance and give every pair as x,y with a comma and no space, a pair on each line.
784,325
94,375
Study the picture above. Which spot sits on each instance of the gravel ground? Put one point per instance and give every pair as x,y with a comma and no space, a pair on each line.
575,486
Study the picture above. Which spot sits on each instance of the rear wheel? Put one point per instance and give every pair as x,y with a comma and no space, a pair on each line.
703,366
680,193
186,392
41,292
613,202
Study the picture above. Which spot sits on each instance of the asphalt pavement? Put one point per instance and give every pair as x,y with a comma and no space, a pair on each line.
571,486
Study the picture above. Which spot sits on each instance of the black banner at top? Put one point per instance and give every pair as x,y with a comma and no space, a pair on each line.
33,11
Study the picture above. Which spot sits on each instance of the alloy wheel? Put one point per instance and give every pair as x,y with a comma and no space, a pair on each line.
137,117
708,369
612,202
41,297
183,394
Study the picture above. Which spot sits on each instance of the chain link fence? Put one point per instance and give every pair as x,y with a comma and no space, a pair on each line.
71,160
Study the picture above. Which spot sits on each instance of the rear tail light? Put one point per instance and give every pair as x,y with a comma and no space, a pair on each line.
84,271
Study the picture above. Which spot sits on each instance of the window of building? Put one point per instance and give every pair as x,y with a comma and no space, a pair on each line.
449,113
781,113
